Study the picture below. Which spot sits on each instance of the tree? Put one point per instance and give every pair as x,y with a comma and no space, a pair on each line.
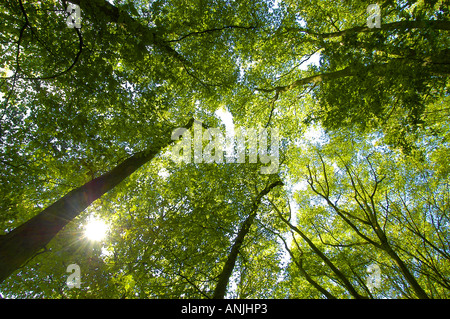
227,270
87,115
364,207
26,240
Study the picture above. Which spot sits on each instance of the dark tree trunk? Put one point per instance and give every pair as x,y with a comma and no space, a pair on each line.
224,277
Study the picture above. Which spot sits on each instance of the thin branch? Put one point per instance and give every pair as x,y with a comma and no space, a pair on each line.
210,31
44,250
341,214
80,49
348,71
346,283
194,285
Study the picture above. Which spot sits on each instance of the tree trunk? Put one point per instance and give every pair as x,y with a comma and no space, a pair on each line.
403,268
25,241
224,277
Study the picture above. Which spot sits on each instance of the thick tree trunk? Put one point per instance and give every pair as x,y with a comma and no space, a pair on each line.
224,277
25,241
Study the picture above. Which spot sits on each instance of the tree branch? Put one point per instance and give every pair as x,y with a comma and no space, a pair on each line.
210,31
319,253
400,25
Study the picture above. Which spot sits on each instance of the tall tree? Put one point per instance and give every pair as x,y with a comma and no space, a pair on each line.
224,277
28,239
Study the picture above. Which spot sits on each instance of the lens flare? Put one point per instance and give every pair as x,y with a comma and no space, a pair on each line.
95,229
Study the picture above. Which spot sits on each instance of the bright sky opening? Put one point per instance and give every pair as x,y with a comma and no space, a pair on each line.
96,229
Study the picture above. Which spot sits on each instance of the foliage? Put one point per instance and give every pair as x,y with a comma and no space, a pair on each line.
372,188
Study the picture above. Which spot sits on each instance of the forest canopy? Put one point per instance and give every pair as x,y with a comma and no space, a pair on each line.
96,96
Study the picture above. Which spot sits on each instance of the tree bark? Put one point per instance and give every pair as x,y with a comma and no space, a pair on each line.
406,273
25,241
224,277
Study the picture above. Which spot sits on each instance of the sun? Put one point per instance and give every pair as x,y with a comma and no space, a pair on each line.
95,229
